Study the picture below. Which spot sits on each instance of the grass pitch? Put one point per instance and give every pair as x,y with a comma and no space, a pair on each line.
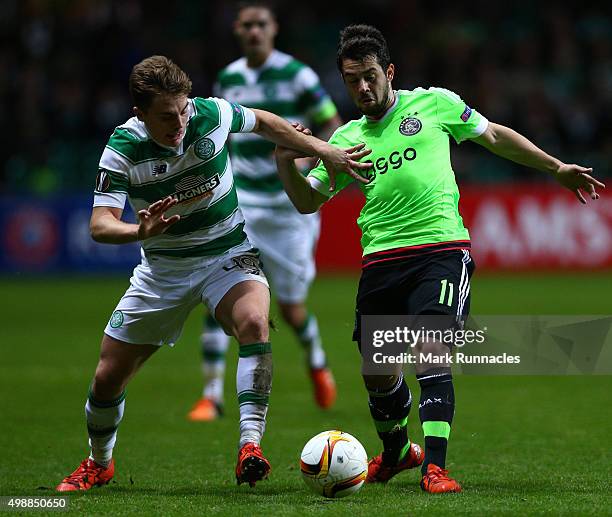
519,445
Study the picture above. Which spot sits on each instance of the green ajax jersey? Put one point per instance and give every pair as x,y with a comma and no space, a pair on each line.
412,197
286,87
198,173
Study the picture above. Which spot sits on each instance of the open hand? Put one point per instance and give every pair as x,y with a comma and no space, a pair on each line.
346,160
577,179
153,221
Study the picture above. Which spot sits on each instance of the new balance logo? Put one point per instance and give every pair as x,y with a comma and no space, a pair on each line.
160,168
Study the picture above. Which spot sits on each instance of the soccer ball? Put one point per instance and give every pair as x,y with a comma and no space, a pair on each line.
334,464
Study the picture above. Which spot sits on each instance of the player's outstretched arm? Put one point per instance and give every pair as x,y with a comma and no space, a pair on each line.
336,160
305,199
324,132
106,225
509,144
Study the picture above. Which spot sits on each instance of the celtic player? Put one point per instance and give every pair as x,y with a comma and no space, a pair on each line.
414,241
171,162
268,79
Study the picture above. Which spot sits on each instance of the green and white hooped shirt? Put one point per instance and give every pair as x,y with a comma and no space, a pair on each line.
198,173
286,87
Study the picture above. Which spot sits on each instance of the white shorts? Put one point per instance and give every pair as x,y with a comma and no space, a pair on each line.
158,301
286,240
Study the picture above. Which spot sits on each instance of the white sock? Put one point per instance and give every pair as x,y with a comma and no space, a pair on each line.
253,384
310,338
215,343
102,422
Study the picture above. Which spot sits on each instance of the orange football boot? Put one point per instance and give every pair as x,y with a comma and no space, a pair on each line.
324,387
436,481
378,472
204,410
87,475
252,466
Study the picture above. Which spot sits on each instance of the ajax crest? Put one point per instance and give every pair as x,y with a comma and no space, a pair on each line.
410,126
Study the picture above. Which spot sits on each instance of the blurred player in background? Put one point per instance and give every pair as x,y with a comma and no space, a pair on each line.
269,79
171,162
415,245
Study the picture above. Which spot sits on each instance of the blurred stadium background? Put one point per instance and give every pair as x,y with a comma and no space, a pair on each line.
542,68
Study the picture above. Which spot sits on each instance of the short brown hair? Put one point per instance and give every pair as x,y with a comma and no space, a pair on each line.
156,75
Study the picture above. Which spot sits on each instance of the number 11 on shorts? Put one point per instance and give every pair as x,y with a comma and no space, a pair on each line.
451,288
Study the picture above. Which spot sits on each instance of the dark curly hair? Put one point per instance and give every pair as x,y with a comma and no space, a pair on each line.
361,41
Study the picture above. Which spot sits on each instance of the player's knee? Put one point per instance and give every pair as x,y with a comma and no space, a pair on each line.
436,348
253,328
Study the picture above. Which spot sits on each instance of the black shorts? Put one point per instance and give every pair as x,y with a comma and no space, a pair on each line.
425,284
